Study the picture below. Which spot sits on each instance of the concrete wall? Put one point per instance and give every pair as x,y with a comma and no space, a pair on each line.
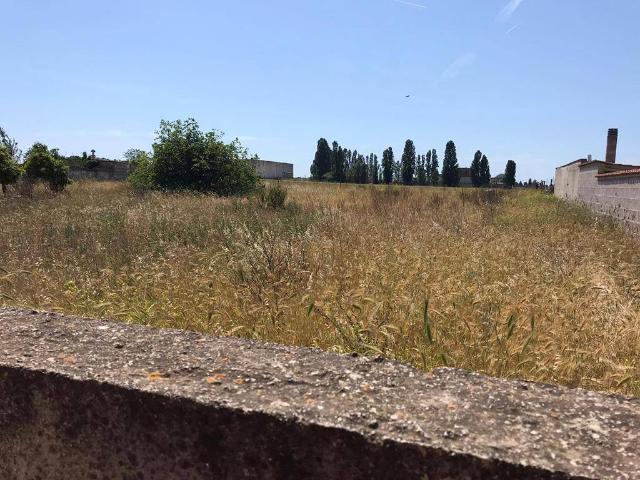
566,181
105,170
83,398
273,170
617,196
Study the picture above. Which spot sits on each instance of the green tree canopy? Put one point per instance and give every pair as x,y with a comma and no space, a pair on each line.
510,174
408,162
387,166
485,172
450,169
186,158
421,171
10,171
46,165
434,174
475,169
322,161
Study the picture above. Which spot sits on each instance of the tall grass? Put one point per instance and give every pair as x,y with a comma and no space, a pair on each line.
511,284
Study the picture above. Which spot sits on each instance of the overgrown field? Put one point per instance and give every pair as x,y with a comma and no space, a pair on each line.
511,284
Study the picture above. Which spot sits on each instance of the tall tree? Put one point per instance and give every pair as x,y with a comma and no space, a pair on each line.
408,162
322,161
339,163
485,173
510,174
476,178
376,170
387,166
427,167
450,168
434,175
421,172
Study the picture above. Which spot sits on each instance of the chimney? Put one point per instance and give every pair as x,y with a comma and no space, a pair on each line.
612,145
589,158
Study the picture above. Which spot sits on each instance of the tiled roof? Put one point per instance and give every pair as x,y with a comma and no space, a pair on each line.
621,173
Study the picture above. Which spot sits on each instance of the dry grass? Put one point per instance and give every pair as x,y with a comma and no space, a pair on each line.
517,285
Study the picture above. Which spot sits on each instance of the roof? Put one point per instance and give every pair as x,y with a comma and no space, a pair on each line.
621,173
612,166
580,160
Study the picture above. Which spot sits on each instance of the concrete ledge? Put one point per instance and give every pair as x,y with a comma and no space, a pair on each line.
82,398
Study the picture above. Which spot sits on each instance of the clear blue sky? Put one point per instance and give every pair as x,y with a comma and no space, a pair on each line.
537,81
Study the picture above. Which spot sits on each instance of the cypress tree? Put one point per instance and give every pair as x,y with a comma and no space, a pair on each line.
476,177
339,164
427,167
434,176
421,172
376,170
387,166
408,163
450,169
485,173
510,174
322,161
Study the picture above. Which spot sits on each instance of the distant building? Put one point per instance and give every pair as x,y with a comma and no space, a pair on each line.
497,181
465,177
273,170
605,187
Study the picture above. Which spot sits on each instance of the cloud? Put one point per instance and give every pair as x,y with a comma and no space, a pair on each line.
411,4
455,68
512,28
509,9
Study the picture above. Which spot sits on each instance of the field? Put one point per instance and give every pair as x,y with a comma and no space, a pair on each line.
513,284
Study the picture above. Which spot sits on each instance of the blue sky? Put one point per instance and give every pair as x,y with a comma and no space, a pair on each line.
537,81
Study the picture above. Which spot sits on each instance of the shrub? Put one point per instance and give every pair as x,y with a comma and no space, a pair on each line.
186,158
10,171
141,168
42,164
273,196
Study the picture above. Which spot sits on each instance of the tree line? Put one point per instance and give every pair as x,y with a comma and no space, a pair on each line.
339,164
183,157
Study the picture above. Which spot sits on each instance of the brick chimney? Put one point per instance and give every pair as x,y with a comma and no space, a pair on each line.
612,145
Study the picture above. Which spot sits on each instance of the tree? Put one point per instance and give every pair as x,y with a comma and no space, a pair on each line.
141,168
387,166
427,167
184,157
450,169
485,173
44,164
408,163
434,175
338,171
10,171
510,174
421,172
10,144
475,169
376,170
360,169
322,161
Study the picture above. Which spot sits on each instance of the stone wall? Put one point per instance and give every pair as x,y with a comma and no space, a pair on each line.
83,398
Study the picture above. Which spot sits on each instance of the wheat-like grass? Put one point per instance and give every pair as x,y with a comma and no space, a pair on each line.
512,284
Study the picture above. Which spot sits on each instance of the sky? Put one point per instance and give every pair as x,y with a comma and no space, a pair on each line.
536,81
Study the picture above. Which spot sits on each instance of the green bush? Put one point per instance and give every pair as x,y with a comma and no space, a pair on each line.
273,196
141,168
10,171
42,164
186,158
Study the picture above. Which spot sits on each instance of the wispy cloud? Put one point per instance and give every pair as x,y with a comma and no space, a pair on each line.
512,28
509,9
457,66
411,4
